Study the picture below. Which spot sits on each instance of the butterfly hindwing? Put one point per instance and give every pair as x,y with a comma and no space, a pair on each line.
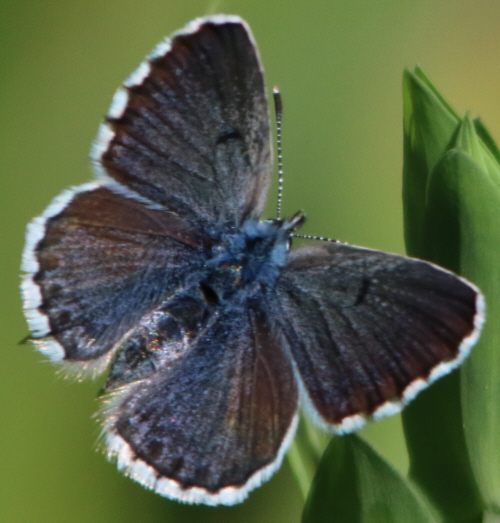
232,393
368,329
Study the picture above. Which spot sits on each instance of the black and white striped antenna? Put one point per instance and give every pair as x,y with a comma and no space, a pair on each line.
278,109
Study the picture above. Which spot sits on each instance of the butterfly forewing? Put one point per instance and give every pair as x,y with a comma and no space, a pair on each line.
190,130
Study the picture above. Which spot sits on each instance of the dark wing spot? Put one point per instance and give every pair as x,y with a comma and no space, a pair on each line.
153,449
224,137
363,290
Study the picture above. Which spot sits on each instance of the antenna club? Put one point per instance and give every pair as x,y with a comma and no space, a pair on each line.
278,103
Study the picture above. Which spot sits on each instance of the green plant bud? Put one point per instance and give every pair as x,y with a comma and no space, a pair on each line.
452,210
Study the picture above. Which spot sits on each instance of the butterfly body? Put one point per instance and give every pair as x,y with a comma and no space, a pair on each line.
212,328
241,268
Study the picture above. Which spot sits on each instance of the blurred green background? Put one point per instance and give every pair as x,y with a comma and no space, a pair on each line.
339,66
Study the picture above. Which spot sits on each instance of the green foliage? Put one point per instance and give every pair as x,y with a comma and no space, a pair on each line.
453,433
451,196
439,460
305,453
355,484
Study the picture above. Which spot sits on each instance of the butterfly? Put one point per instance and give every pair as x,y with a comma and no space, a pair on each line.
213,330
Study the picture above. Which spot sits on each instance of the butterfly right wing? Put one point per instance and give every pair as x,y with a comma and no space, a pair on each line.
368,330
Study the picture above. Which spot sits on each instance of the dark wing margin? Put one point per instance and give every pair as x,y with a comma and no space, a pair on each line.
369,330
189,129
218,423
93,261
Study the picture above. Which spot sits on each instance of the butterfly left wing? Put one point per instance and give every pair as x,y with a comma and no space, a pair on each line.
368,330
214,424
184,155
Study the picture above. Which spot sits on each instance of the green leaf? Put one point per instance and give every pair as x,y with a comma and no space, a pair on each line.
473,180
462,216
429,124
439,462
439,458
484,154
440,455
305,453
355,484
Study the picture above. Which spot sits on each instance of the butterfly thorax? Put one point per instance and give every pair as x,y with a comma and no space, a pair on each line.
249,261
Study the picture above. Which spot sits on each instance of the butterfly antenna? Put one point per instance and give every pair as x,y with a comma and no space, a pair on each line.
278,109
308,237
